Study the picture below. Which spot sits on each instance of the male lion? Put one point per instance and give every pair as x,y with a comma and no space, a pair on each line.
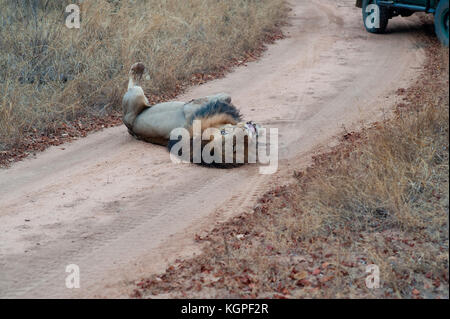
154,123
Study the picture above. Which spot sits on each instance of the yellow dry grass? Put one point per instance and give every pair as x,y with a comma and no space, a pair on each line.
50,73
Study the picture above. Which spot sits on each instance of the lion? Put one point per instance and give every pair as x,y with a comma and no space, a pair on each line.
156,123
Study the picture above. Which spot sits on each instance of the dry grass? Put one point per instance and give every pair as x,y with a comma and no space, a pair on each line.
50,74
381,197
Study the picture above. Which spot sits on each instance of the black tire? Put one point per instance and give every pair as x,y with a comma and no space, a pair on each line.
384,17
441,22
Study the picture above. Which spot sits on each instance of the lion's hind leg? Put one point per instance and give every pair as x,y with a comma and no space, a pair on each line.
134,101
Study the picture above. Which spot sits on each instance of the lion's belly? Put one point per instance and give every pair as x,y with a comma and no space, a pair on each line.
156,122
159,120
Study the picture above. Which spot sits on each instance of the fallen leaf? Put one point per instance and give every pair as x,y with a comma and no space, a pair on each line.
303,283
437,282
300,275
326,278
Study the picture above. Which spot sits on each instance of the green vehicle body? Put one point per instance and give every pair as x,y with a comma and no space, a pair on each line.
404,8
408,6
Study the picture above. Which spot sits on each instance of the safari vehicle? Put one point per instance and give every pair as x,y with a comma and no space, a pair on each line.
404,8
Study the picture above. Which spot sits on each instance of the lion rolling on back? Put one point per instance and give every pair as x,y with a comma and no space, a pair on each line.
154,123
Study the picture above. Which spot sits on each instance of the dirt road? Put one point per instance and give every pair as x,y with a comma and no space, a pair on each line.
119,208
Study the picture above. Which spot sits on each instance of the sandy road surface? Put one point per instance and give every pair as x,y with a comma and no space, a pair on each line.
119,208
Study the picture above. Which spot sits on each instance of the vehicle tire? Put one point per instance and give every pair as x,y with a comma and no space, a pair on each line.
384,17
441,22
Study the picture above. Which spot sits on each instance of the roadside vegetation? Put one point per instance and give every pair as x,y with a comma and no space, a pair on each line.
56,81
381,197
